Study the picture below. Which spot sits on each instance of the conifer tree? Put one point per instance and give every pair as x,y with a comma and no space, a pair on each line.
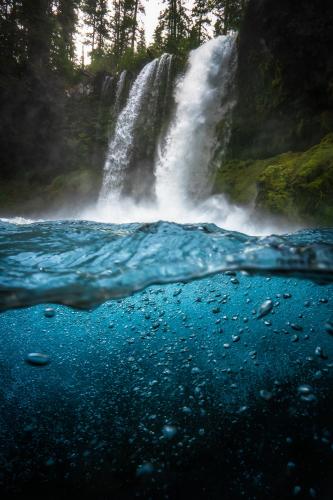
200,17
173,26
228,13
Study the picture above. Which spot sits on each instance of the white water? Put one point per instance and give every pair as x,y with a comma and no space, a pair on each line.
163,71
183,159
120,90
182,172
106,84
120,147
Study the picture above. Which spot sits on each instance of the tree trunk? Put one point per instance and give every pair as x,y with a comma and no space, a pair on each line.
134,23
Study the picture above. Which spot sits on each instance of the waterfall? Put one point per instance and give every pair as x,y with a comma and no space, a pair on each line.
119,92
203,100
120,147
132,145
106,84
160,161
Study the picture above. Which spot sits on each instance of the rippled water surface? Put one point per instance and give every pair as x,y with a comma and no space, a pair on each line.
85,263
218,387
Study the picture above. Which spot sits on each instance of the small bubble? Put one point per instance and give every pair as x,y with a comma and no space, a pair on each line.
169,431
145,469
304,389
265,308
296,327
37,359
291,466
329,327
49,312
266,395
320,353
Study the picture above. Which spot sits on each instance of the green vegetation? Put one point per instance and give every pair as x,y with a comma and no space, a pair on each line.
291,185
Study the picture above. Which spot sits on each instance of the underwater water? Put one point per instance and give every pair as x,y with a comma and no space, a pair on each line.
214,387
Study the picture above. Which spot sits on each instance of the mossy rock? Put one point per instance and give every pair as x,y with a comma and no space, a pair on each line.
296,186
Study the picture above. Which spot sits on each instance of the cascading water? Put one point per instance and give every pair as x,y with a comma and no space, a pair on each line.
117,102
150,175
119,92
120,147
132,145
106,84
182,170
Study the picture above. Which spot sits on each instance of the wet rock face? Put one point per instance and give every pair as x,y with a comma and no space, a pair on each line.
285,77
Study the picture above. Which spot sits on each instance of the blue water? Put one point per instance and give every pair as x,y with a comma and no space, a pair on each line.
187,388
84,263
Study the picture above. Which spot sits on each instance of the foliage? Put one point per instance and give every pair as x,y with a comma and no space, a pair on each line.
228,13
201,20
292,185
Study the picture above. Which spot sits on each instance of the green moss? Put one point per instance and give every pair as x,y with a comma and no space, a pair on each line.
237,178
297,186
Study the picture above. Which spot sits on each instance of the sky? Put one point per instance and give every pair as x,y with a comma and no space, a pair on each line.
153,9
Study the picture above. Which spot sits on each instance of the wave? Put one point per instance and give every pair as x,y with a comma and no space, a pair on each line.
83,264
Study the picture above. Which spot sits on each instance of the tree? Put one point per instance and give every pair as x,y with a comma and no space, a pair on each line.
141,41
229,14
38,33
200,17
125,30
10,40
173,26
38,23
96,17
65,13
67,19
